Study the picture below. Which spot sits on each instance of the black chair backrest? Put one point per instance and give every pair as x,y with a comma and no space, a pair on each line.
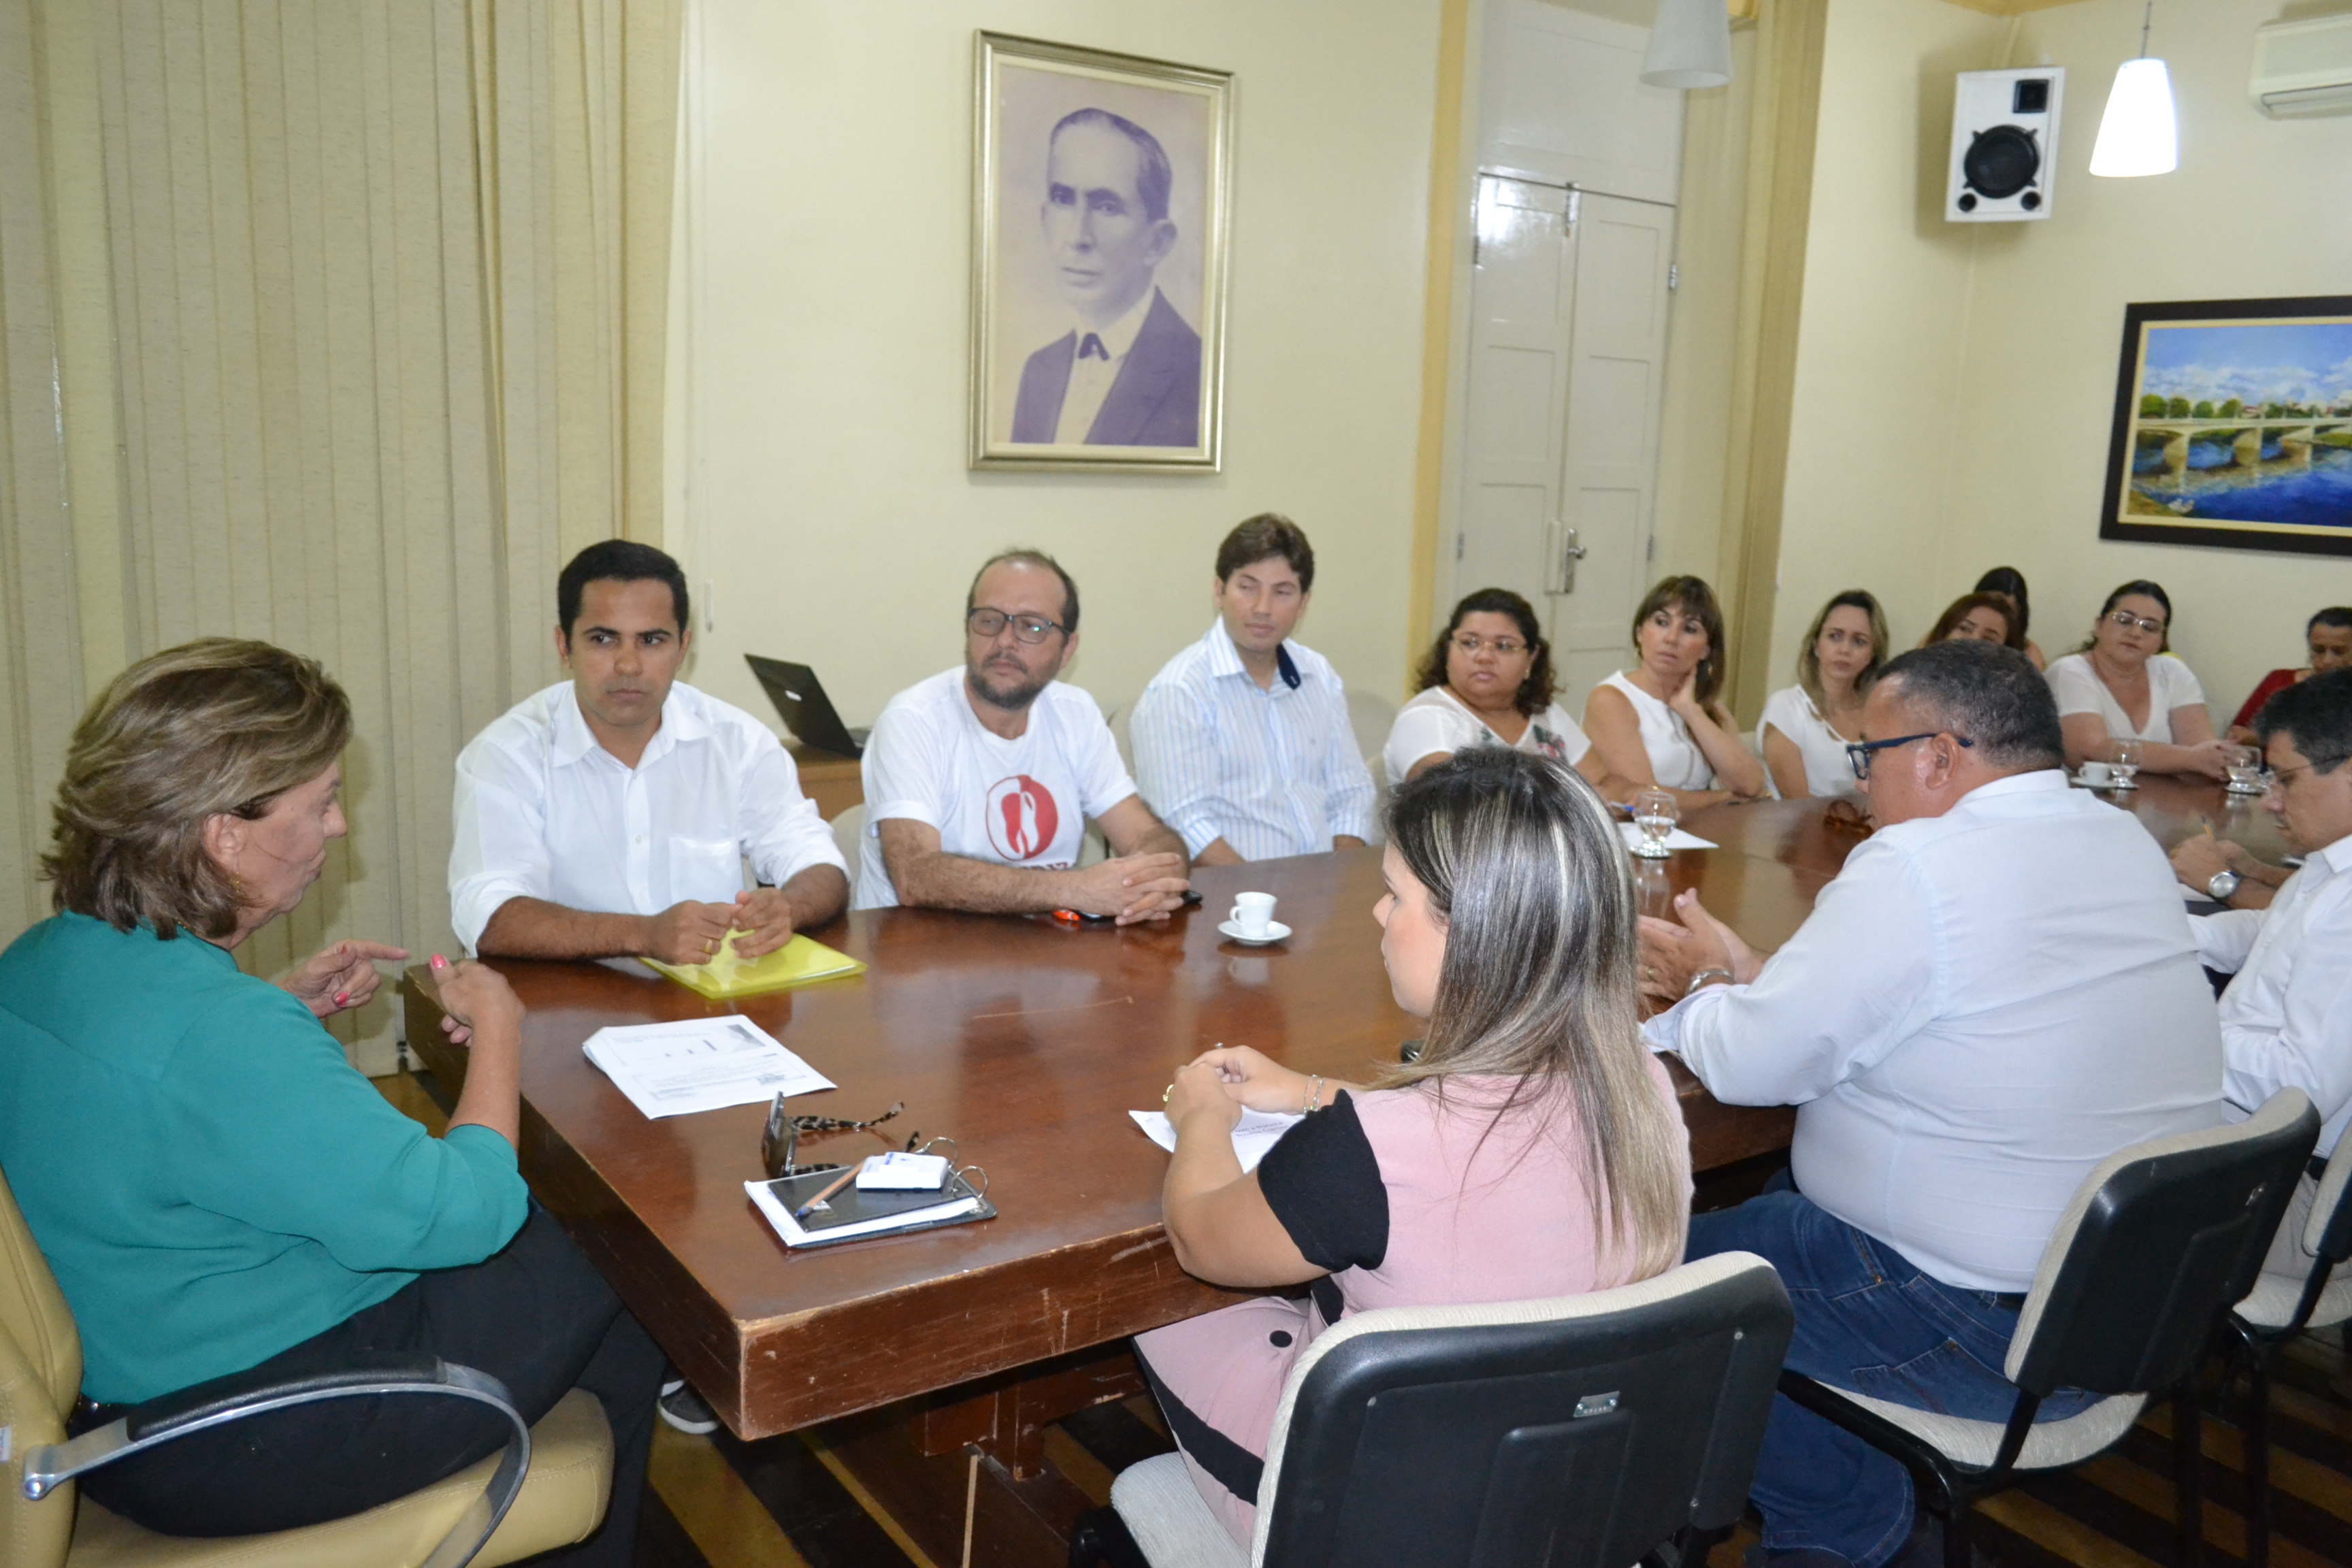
2172,1236
1574,1443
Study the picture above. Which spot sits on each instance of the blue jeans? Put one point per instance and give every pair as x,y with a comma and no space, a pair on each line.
1868,1320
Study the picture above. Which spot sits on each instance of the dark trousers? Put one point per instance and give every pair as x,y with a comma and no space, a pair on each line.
535,1316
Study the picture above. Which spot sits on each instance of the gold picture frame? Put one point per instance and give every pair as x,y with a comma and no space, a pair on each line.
1098,296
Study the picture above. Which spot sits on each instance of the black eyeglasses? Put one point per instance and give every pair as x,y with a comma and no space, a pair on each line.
780,1143
1857,752
1031,629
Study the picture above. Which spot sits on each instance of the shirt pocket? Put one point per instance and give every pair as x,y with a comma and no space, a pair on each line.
708,870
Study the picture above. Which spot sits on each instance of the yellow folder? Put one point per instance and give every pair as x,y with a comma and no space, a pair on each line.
726,977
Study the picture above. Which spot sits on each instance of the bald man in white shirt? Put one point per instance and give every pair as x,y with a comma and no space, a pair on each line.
1995,993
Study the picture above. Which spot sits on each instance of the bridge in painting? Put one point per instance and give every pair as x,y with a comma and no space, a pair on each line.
2242,436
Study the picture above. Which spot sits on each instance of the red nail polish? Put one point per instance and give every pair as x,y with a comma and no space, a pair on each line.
342,998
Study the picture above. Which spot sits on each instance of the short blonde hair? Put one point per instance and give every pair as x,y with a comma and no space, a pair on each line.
212,727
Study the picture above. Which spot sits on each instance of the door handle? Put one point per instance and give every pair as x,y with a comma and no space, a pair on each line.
1564,581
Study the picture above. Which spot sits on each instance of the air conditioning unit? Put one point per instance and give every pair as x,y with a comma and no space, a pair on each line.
2004,162
2304,69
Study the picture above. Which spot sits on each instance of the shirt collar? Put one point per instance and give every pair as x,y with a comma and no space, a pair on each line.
1225,658
1120,335
2040,781
681,721
2337,855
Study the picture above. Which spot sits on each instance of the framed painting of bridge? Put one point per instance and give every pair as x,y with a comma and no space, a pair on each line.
2234,426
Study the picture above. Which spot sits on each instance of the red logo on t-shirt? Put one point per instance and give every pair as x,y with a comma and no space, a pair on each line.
1022,817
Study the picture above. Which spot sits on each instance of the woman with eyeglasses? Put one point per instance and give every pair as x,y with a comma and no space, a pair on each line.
1662,722
1488,681
1806,726
2122,685
216,1189
1533,1149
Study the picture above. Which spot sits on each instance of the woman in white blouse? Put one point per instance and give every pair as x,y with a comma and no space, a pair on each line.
1806,726
2123,686
1488,681
1660,723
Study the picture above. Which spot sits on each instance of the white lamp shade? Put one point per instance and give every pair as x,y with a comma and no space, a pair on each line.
2137,135
1690,46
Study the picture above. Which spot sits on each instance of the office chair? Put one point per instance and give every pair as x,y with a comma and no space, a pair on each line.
2158,1242
1583,1432
547,1488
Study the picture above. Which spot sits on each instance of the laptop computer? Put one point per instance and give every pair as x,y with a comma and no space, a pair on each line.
807,711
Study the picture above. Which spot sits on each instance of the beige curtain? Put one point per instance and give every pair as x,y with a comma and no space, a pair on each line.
336,322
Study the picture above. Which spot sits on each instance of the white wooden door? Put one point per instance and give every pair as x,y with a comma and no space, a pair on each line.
1560,444
1601,546
1522,295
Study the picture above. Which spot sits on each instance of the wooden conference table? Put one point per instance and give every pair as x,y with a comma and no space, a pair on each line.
1028,1041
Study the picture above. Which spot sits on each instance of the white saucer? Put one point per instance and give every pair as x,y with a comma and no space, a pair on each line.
1274,931
2110,781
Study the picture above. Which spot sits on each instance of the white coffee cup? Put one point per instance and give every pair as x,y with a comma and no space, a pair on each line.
1253,912
2097,773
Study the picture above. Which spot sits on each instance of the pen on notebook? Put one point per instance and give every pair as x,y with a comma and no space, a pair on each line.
839,1182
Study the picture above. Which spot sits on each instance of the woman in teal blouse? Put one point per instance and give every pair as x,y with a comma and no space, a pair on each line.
214,1185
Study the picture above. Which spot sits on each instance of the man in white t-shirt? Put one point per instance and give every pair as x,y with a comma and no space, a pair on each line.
980,781
611,815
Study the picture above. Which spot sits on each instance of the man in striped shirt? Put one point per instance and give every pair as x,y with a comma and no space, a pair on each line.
1242,742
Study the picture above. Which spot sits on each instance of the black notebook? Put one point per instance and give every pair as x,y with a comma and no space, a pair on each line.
850,1213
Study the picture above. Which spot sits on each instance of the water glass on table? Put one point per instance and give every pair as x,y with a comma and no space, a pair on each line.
2126,763
1655,814
2245,766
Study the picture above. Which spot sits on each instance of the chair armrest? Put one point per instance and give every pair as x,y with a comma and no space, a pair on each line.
232,1399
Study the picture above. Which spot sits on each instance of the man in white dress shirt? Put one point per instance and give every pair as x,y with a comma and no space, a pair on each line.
610,815
1241,740
1994,995
2286,1019
980,781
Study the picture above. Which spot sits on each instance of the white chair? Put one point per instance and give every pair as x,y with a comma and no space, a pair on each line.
1581,1432
2158,1240
849,837
2278,1308
1371,717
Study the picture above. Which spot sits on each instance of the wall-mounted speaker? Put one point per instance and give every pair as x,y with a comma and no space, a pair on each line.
2004,165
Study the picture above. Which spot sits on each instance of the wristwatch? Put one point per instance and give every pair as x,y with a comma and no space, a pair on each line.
2224,884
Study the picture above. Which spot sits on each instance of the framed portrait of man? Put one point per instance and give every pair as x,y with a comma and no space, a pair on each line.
1101,184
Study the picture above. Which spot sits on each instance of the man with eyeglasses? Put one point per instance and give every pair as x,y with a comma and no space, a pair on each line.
980,781
1994,995
2286,1018
1241,740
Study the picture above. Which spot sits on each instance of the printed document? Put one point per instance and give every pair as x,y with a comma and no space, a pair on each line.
1254,1134
699,1064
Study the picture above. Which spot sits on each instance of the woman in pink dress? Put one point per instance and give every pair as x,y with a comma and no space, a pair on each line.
1535,1149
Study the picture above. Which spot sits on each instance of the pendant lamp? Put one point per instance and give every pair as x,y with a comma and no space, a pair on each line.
1690,46
2139,134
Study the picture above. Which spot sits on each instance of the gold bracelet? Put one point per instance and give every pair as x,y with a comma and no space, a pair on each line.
1314,1094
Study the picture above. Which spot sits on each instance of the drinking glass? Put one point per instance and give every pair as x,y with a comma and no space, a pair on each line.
1655,814
2245,766
2127,755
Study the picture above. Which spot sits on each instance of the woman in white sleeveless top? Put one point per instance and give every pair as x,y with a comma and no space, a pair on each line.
1660,723
1488,681
1806,726
2125,685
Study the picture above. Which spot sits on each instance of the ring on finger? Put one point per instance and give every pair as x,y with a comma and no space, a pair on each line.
1166,1092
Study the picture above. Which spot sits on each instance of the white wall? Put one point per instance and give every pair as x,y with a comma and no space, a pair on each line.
820,356
1955,381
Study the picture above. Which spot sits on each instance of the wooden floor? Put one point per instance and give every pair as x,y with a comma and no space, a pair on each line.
785,1502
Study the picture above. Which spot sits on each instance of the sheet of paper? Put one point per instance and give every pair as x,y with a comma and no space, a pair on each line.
699,1064
1677,839
1254,1134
